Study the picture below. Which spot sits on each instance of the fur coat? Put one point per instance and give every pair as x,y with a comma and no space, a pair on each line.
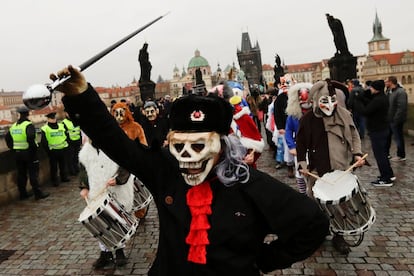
100,169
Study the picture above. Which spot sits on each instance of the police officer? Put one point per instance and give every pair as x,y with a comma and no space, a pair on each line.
54,141
74,134
22,139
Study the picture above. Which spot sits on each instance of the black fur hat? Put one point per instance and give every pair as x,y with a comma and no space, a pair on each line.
195,113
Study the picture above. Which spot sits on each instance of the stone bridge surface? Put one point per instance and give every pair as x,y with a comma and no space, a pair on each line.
45,238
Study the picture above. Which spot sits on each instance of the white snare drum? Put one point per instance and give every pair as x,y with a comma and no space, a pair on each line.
343,199
108,221
142,196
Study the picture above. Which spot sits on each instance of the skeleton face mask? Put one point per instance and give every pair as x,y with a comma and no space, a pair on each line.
327,104
151,113
196,152
119,115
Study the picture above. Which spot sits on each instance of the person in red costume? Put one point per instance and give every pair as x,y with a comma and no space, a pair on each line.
246,129
214,210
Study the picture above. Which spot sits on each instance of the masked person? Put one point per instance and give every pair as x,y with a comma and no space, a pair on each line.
297,105
244,127
328,138
214,210
134,130
155,127
98,172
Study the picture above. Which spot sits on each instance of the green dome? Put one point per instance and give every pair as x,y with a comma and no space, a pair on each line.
197,61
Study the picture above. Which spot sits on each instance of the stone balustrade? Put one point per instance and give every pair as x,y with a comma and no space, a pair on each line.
8,175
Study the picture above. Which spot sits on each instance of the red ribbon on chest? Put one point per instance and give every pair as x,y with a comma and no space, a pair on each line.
199,199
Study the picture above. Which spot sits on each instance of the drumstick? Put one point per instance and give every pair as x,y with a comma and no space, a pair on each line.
350,168
101,191
87,201
314,175
319,178
105,187
354,165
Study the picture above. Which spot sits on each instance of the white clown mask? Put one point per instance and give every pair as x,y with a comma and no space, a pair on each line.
327,104
197,153
304,102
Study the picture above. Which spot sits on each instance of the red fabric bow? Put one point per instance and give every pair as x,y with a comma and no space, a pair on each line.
199,200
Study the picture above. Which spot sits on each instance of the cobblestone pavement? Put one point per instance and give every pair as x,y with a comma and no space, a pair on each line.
45,238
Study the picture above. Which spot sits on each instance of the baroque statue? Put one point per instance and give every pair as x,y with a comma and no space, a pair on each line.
145,64
339,35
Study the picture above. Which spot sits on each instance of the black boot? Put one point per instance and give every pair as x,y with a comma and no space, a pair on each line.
104,259
291,173
120,258
40,195
340,244
25,195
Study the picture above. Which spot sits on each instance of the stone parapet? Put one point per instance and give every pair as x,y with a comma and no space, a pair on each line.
8,176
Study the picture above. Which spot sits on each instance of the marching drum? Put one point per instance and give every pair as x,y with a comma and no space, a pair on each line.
343,199
142,198
108,221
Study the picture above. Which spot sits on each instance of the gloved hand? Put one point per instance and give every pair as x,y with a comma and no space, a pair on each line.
76,84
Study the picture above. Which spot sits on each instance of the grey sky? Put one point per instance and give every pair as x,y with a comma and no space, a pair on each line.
42,36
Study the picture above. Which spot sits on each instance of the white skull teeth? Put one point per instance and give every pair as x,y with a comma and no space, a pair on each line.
191,177
191,165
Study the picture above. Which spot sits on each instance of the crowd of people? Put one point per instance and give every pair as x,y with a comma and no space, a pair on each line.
197,155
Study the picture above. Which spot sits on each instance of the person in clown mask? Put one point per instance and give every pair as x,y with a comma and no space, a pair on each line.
297,105
214,210
328,139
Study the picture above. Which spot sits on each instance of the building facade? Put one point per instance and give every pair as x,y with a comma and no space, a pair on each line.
183,83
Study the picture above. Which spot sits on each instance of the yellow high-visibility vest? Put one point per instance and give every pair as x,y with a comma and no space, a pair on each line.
74,131
56,138
19,136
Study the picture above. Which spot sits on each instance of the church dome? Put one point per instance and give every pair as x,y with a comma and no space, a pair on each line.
197,61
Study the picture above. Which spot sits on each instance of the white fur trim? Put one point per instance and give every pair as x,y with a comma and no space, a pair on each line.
233,126
249,143
245,111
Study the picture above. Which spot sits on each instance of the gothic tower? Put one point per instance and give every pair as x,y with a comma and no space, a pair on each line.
378,44
250,60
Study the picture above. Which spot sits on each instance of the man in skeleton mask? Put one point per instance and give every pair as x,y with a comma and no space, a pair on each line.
214,210
328,138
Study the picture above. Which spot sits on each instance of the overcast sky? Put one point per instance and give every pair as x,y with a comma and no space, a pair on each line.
42,36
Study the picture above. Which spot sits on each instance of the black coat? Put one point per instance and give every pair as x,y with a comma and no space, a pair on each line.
155,131
279,110
242,215
375,109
